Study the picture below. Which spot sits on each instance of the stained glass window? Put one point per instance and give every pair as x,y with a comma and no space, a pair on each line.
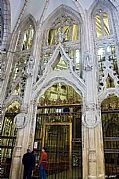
102,24
28,38
68,29
64,30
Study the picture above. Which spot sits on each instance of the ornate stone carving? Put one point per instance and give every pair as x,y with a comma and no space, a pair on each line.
2,65
91,116
87,64
92,155
20,120
29,70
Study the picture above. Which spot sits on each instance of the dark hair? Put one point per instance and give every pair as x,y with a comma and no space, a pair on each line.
44,148
28,150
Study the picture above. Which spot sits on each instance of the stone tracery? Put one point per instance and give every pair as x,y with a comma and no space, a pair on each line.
65,30
22,62
62,59
106,48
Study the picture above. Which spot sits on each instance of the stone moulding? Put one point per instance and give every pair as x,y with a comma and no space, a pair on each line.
51,76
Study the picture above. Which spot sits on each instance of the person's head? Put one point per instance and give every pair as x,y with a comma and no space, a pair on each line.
28,150
43,149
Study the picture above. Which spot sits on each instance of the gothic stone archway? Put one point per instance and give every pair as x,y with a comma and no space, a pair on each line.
58,128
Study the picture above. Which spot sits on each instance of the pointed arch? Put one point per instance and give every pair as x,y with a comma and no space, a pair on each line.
58,77
63,9
29,19
108,5
63,25
103,95
11,100
109,9
27,30
104,18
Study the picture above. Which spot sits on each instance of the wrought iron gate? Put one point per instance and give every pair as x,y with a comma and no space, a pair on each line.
110,122
58,128
7,143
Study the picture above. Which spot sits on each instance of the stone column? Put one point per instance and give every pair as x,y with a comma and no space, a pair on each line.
23,123
92,138
24,136
92,147
3,61
20,121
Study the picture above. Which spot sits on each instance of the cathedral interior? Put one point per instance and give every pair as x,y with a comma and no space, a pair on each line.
59,87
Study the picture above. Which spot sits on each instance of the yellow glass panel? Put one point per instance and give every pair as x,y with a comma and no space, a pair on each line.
98,26
66,33
13,107
110,82
106,24
71,54
27,39
74,32
61,65
30,40
51,36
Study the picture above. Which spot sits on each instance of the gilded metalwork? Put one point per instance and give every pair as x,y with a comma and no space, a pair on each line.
110,121
7,139
58,128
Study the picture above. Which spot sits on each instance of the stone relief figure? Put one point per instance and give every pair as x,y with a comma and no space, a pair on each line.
87,64
30,66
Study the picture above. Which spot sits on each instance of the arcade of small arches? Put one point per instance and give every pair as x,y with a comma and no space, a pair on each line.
61,91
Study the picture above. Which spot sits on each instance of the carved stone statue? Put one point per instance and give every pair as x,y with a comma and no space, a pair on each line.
30,66
87,64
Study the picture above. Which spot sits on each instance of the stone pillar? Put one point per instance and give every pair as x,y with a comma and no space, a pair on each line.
17,156
24,129
3,61
23,123
93,156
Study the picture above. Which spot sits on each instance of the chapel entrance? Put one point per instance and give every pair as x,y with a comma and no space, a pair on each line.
58,128
110,122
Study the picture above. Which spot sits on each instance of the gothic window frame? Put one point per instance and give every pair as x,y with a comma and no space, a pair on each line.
18,77
23,27
100,11
49,23
105,41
